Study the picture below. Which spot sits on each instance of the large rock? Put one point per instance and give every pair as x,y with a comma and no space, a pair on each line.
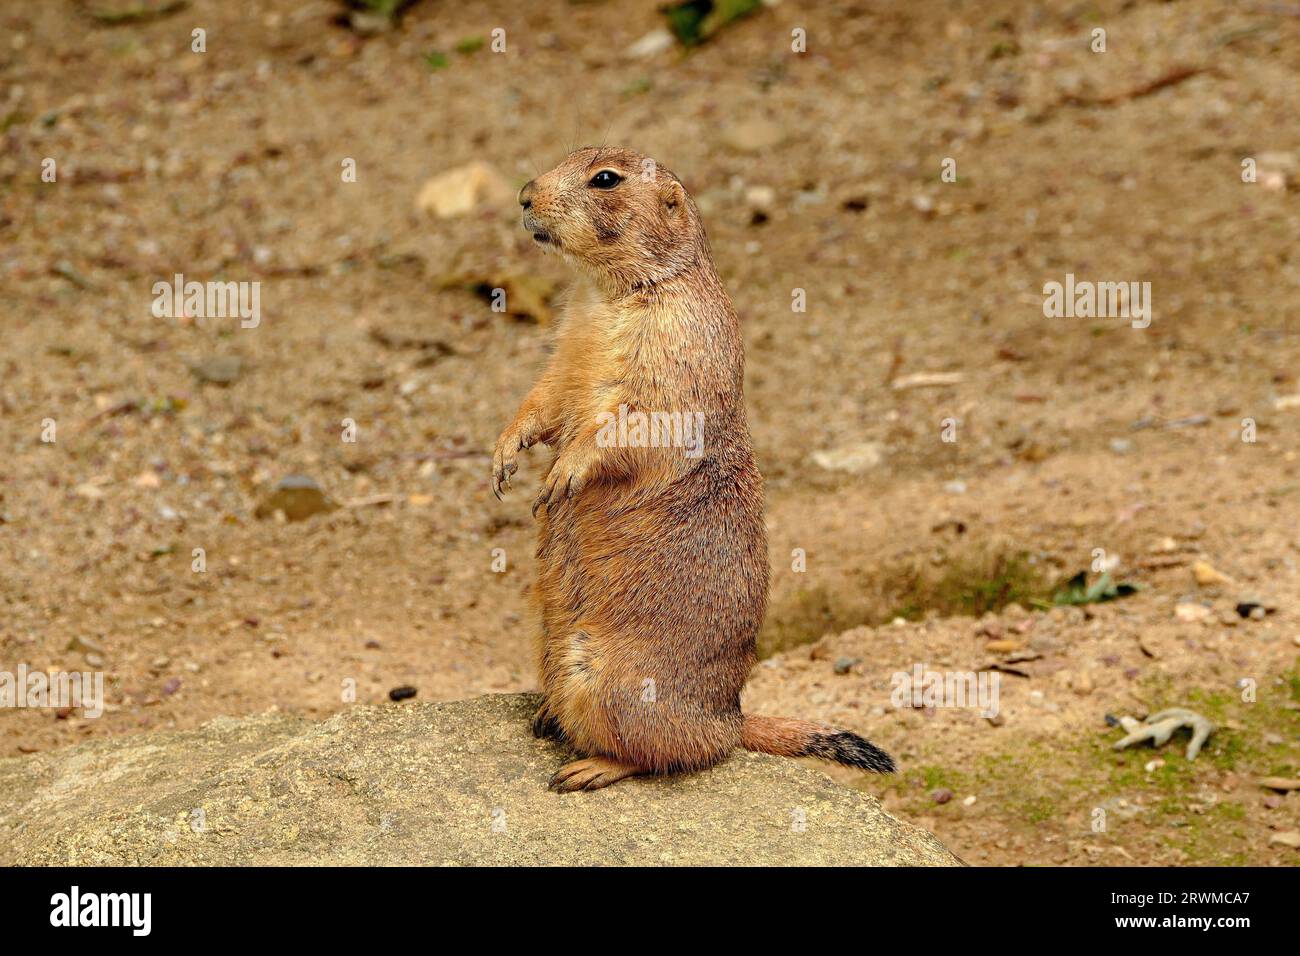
452,783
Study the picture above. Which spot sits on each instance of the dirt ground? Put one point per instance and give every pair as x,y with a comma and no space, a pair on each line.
818,171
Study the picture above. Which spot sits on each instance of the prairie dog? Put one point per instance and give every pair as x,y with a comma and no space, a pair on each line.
652,570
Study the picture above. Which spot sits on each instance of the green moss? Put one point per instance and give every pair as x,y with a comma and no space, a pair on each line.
936,778
977,586
971,583
1039,809
1053,786
1210,835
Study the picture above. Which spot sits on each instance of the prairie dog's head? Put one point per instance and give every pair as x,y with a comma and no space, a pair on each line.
620,215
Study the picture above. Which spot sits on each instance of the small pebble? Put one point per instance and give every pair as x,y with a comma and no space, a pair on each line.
845,664
297,497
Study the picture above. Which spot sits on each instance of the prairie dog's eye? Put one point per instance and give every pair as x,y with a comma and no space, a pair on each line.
605,179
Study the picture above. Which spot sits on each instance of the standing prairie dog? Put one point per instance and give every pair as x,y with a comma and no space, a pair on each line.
652,552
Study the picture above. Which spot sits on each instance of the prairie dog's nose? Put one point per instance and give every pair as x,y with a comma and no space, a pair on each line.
526,194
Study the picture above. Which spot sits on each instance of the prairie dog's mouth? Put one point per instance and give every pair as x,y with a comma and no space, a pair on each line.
538,231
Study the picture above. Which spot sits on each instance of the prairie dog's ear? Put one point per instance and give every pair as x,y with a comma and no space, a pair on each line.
673,197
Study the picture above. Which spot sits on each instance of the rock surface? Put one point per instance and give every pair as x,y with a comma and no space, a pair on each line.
451,783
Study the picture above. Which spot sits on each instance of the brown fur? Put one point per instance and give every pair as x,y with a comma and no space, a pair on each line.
652,564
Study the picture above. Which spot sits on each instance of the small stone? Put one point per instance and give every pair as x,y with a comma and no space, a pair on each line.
1273,801
464,189
761,198
927,380
1254,609
942,795
1280,783
854,459
1190,613
1289,838
297,497
84,645
172,685
1121,446
845,664
218,369
405,692
969,801
653,43
365,23
1276,170
1151,766
754,135
1206,574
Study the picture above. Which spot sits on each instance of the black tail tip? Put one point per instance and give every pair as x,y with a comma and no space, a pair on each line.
852,751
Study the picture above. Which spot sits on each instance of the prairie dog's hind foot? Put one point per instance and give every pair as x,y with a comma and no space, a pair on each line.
593,773
545,726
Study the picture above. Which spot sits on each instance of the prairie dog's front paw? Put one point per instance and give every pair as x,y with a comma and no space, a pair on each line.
568,476
504,459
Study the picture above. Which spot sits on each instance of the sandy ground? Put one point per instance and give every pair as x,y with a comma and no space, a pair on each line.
1072,434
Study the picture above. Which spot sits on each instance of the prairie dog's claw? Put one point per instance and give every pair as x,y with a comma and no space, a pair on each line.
504,463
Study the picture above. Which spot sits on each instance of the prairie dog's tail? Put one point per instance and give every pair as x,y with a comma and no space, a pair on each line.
787,737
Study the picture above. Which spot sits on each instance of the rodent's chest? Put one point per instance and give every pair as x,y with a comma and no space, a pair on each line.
605,358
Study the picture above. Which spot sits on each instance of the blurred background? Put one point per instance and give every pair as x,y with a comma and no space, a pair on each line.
942,459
